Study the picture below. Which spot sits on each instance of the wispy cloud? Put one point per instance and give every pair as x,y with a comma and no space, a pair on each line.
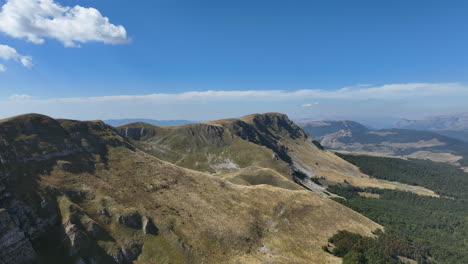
389,91
20,97
35,20
9,53
390,99
309,105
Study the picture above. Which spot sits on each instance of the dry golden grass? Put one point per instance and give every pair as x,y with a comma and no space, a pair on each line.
206,219
336,170
202,218
305,155
257,176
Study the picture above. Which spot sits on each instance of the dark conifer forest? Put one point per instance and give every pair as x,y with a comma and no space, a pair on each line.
434,229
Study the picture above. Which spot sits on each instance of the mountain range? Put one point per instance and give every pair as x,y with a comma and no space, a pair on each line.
455,126
354,137
227,191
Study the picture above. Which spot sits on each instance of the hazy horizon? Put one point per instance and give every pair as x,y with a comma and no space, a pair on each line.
365,61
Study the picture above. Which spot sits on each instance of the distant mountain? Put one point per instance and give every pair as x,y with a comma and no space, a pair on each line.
456,122
120,122
354,137
450,125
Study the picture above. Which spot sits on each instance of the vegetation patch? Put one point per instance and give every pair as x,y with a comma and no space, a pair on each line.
444,179
389,247
317,144
157,250
464,161
437,226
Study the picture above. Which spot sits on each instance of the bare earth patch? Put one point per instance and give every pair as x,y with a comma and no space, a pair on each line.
369,195
437,157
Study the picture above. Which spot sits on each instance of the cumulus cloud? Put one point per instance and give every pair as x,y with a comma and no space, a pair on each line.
9,53
36,20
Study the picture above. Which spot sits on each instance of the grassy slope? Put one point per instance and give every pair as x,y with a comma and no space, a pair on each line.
191,146
201,218
213,220
197,147
257,175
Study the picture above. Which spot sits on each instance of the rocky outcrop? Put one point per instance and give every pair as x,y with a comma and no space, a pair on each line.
126,255
14,246
132,220
77,240
196,135
33,145
138,131
265,130
149,227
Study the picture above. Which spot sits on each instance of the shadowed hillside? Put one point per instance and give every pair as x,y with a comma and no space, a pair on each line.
81,193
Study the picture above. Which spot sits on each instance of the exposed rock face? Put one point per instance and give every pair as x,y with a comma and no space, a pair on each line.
132,220
149,227
265,130
31,145
77,239
131,253
126,255
14,246
96,230
28,218
199,135
138,132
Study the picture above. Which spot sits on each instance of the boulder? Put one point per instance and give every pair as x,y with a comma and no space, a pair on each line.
77,239
132,252
133,220
149,227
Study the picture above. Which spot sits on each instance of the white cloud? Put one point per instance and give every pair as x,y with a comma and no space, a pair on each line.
387,100
20,97
2,68
36,20
9,53
386,92
309,105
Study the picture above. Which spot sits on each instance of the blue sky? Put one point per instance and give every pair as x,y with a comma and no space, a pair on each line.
174,48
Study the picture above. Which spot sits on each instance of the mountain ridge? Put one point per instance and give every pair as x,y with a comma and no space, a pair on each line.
269,140
106,201
455,126
120,122
339,135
